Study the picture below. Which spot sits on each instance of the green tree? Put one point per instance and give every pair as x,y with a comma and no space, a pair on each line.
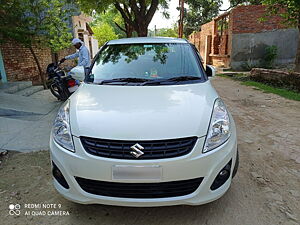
42,23
200,12
104,33
114,19
167,32
234,3
289,10
136,14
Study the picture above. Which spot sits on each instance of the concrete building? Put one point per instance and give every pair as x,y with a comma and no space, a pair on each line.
17,63
239,38
83,31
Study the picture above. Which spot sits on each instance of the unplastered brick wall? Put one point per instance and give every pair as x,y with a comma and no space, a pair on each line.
20,65
194,38
247,19
206,30
198,38
243,21
68,51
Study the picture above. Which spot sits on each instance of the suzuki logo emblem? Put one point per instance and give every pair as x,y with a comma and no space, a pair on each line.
137,150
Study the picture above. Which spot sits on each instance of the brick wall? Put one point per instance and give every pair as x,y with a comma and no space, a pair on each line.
20,65
206,30
243,20
68,51
250,37
223,49
246,19
195,39
198,38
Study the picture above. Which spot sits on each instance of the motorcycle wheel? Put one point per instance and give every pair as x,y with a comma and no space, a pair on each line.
59,92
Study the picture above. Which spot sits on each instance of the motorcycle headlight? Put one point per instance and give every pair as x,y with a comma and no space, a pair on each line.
61,128
219,128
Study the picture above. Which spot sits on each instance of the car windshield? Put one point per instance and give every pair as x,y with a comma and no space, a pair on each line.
145,63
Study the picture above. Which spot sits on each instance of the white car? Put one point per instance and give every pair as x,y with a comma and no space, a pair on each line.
146,128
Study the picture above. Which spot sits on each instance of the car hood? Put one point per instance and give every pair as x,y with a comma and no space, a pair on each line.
141,112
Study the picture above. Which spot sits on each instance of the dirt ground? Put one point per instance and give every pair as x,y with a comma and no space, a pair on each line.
266,189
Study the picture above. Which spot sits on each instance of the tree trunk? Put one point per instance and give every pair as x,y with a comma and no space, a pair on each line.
129,30
180,23
137,15
39,67
128,34
297,68
143,30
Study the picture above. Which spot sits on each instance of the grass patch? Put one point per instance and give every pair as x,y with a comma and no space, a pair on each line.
264,87
235,76
269,89
222,75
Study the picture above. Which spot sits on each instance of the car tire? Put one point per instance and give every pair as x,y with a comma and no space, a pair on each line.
236,166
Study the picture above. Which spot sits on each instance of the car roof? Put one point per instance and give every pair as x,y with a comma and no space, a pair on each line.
147,40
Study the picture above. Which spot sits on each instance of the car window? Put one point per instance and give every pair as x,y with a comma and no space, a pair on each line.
145,61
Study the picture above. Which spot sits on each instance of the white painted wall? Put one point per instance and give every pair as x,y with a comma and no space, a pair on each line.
79,23
95,46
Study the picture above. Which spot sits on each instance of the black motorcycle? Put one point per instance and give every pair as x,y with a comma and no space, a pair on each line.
60,84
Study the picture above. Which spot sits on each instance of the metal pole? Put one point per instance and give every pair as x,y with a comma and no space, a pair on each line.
180,25
179,18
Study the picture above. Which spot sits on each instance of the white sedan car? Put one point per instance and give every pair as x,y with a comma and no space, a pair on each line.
146,128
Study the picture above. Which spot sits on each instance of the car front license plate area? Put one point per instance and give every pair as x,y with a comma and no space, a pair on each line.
126,172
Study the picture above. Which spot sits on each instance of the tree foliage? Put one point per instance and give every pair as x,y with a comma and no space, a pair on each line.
104,32
234,3
113,18
137,15
289,10
167,32
31,23
200,12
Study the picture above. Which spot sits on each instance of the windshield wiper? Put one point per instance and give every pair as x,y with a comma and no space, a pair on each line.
170,80
184,78
127,80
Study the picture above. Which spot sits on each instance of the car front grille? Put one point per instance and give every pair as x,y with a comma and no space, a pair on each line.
140,190
160,149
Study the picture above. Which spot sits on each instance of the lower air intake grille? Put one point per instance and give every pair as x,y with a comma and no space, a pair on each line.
140,190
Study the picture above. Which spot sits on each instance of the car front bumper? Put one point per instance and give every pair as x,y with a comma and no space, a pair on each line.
194,165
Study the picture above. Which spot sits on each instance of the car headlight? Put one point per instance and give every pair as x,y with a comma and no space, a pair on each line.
219,128
61,128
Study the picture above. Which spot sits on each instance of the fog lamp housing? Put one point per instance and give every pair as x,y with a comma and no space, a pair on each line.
57,174
222,177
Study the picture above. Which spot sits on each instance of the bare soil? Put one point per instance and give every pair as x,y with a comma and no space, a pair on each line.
266,189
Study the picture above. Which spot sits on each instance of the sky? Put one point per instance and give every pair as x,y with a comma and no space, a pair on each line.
161,22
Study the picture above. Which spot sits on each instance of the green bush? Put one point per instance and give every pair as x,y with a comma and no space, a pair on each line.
269,57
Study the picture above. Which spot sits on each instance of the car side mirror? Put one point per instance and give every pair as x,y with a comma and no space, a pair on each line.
210,71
